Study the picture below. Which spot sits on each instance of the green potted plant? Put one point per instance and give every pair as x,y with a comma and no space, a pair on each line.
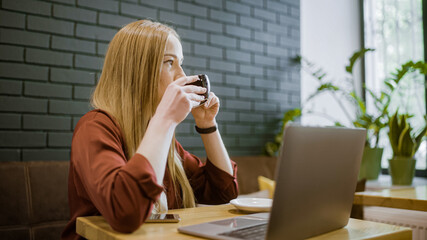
405,144
374,122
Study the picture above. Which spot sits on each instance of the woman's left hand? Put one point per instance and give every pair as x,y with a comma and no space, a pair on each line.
205,114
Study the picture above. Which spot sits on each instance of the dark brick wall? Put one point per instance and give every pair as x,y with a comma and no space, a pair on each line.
51,53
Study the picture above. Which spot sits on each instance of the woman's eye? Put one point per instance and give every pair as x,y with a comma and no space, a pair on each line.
170,62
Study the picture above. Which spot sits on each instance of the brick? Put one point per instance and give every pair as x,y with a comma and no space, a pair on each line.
237,129
24,38
166,4
237,8
212,3
265,37
72,44
48,57
265,83
94,32
251,70
20,104
207,51
27,6
46,122
22,139
187,48
238,55
12,19
104,5
59,139
223,66
276,51
277,6
10,155
265,106
195,61
223,16
184,128
295,12
237,80
294,32
11,53
264,14
226,116
276,74
175,19
253,2
251,46
192,9
265,61
10,87
291,2
238,31
251,22
72,76
290,21
83,93
277,96
23,71
251,94
69,2
47,90
68,107
282,29
222,91
195,36
75,121
10,121
289,42
237,104
207,25
253,142
73,13
88,62
50,25
191,141
101,48
45,155
114,20
221,40
138,11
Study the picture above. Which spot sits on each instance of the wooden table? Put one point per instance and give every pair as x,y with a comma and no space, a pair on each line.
96,228
413,198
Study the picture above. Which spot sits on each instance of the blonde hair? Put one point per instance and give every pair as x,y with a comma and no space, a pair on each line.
128,90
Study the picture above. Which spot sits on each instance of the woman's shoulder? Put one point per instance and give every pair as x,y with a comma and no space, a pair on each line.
97,117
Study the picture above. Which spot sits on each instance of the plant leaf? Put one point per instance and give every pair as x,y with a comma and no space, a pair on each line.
355,57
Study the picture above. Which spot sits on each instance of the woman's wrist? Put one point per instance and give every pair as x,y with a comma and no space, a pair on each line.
207,124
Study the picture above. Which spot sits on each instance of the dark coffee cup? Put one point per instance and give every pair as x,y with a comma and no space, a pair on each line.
203,82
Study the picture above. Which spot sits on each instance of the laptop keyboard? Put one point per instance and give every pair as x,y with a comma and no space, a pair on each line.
253,232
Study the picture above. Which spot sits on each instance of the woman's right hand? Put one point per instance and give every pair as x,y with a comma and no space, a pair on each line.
179,99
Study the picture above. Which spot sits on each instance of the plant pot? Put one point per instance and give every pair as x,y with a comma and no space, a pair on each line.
402,170
371,163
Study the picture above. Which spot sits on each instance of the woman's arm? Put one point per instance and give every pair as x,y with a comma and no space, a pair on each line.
176,103
215,149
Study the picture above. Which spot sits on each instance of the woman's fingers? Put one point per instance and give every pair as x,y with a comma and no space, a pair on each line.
194,89
212,100
186,79
195,97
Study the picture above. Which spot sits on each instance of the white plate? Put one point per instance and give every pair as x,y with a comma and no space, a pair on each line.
253,204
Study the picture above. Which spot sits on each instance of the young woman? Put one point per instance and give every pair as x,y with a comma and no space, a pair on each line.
125,161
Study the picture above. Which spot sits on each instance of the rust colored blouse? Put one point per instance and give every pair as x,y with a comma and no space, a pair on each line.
103,182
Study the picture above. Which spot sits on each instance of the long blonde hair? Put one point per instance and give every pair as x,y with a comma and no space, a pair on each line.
128,89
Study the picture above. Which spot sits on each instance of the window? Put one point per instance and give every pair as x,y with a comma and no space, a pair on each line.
395,29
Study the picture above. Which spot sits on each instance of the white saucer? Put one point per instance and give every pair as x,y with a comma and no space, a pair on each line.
252,204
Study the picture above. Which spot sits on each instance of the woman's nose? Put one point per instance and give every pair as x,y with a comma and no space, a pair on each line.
180,73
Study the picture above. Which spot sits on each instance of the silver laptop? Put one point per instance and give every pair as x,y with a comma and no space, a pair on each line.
315,182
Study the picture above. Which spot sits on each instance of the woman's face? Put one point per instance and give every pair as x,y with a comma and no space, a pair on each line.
171,66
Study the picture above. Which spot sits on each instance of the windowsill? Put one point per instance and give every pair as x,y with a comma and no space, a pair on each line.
384,182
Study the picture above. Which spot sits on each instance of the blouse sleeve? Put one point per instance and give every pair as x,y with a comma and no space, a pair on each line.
210,184
122,191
